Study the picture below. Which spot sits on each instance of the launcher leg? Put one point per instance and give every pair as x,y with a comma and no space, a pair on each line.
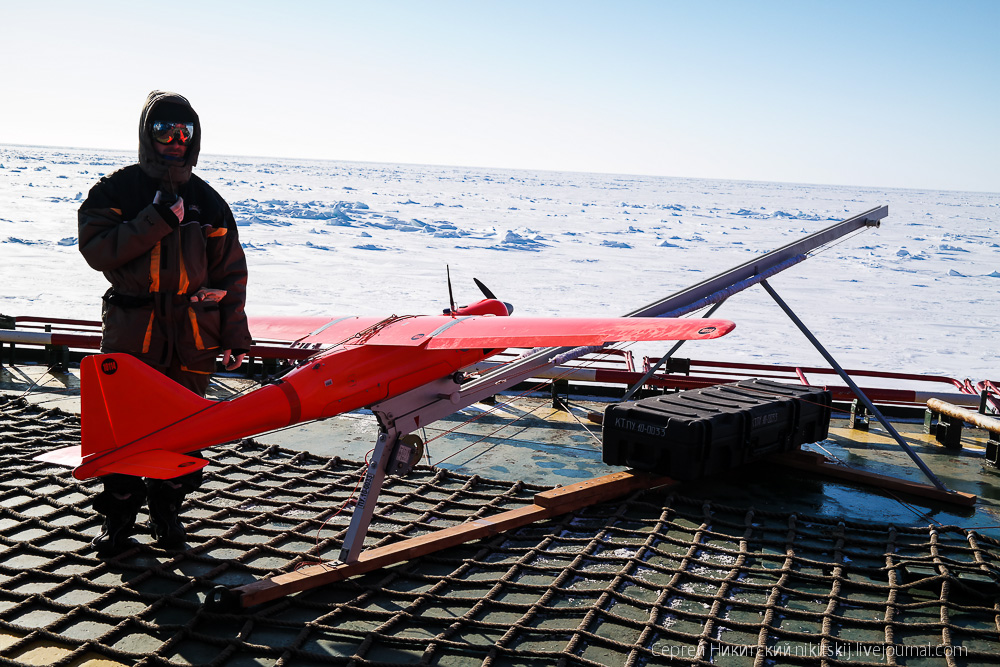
394,455
370,488
938,484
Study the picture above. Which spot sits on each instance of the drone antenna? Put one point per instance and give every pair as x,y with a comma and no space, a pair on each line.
451,296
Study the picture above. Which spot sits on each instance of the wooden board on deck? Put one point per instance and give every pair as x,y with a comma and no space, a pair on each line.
546,505
815,462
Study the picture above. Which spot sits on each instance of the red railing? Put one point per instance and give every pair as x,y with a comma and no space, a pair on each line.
609,366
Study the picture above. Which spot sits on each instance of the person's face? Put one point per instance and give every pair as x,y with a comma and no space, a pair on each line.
174,150
171,139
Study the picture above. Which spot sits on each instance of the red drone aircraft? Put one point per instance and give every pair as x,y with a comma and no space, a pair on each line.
136,421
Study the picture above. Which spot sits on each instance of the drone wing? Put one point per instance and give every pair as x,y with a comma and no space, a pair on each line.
448,333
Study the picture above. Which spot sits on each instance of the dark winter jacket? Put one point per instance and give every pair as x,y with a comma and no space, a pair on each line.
155,262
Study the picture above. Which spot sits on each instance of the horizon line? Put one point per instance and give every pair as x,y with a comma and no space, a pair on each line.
524,169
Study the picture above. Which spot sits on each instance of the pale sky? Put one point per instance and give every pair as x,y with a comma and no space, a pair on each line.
873,93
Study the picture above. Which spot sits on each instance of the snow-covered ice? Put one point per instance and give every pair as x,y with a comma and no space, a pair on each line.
920,294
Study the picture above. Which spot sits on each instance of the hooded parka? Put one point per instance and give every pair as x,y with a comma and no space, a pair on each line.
155,262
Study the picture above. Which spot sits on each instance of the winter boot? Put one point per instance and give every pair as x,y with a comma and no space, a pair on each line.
119,506
165,500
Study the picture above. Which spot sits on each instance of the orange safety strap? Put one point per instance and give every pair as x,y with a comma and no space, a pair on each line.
149,333
198,342
154,268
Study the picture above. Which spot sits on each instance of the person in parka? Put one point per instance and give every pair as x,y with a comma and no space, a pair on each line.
167,243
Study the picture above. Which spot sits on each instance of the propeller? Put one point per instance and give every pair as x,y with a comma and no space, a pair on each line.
484,289
487,292
451,295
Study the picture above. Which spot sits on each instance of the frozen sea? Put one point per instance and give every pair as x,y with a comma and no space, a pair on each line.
919,294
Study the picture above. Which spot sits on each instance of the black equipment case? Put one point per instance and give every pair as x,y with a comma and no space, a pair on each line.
700,432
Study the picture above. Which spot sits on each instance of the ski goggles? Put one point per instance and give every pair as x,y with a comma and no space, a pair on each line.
167,132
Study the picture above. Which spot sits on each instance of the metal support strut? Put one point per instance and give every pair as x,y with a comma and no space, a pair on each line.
652,371
394,454
370,489
854,387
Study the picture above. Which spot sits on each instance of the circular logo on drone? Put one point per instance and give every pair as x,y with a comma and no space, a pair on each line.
704,331
109,366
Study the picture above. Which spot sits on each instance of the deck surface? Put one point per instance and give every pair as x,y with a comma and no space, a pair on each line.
525,438
763,557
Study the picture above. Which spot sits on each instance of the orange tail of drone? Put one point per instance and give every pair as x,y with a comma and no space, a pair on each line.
124,400
124,405
136,421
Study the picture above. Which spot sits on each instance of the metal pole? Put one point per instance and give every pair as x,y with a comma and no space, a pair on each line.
719,287
857,391
762,263
354,541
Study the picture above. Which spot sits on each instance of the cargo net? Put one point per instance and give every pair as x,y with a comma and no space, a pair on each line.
655,579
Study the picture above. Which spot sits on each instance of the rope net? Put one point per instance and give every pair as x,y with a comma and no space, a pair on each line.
655,579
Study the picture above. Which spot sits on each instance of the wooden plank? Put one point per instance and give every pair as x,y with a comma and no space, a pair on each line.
374,559
599,489
547,504
815,462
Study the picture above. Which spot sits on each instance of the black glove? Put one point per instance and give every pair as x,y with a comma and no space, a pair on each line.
170,207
